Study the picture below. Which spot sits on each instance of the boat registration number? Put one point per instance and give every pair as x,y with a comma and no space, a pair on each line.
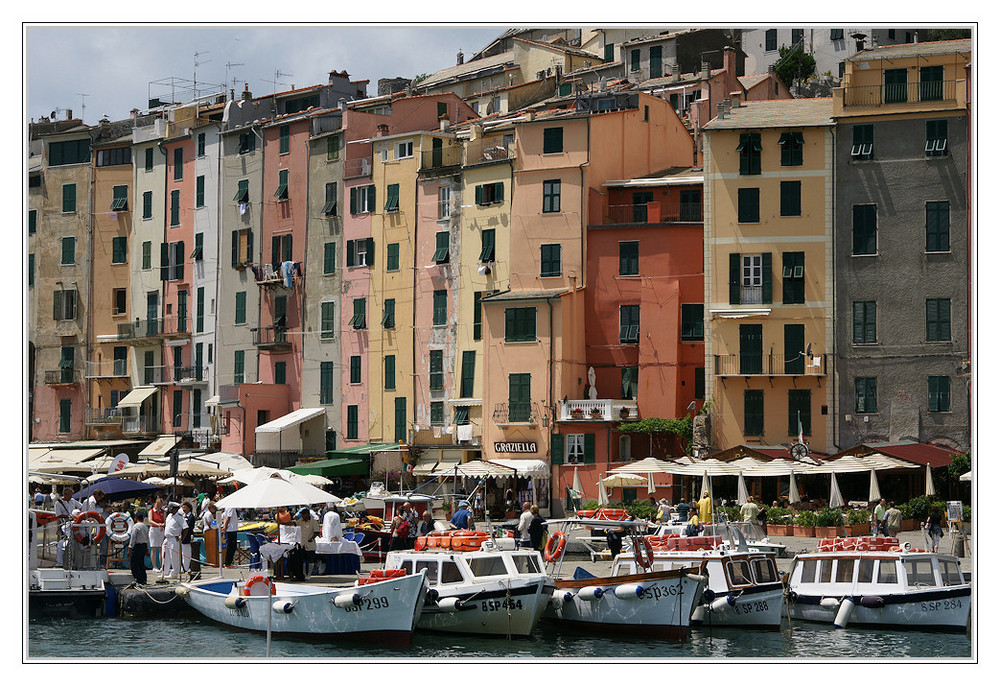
950,604
378,603
239,611
494,605
750,608
657,592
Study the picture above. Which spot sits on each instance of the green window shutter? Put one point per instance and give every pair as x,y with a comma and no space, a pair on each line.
236,248
242,191
628,258
238,361
519,397
477,316
65,415
400,419
149,159
795,345
354,201
866,395
479,195
938,221
175,208
589,448
69,197
330,206
147,254
355,369
799,408
692,322
390,372
371,198
333,148
164,261
283,132
329,258
791,198
436,370
468,373
279,372
178,163
352,422
241,307
748,210
179,260
765,278
199,193
552,140
31,269
753,413
281,193
392,257
392,197
57,305
634,60
735,279
352,252
655,62
441,247
793,277
551,259
498,192
370,257
119,250
557,449
389,313
200,310
440,304
32,221
488,252
328,322
864,230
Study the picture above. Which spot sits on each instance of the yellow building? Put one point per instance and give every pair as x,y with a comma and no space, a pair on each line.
768,273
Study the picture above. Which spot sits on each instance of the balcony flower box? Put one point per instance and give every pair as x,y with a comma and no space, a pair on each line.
625,413
596,414
576,413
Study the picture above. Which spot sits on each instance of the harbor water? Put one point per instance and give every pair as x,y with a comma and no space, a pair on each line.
197,638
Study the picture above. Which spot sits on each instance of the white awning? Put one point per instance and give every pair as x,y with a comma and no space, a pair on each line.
303,430
525,466
482,468
425,465
213,401
446,465
160,446
291,419
740,314
136,396
67,460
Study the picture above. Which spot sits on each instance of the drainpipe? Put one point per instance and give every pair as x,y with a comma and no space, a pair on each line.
552,403
219,267
90,290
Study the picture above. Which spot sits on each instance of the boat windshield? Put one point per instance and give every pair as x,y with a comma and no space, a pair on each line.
491,565
739,572
887,572
764,570
919,572
526,564
450,573
951,573
845,570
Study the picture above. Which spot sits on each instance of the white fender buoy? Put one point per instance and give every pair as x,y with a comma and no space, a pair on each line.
844,613
347,600
182,591
629,591
591,593
235,602
699,578
556,600
829,603
450,604
722,602
283,606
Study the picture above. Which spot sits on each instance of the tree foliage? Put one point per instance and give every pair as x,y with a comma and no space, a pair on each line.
658,428
960,464
794,63
947,34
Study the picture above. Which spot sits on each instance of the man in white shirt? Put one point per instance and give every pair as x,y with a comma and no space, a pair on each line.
64,508
523,524
172,530
332,529
230,524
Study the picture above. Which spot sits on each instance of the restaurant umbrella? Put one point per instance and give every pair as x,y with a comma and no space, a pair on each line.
928,482
116,488
577,484
836,500
741,490
874,494
276,491
966,477
793,490
706,484
650,486
622,480
602,495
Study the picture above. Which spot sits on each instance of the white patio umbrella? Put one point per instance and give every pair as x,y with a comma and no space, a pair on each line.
874,494
966,477
622,480
275,491
928,482
577,484
602,494
706,484
154,480
741,490
836,500
176,481
315,479
793,490
650,486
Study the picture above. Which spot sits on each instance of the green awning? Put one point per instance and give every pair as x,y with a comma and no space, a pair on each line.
357,450
337,466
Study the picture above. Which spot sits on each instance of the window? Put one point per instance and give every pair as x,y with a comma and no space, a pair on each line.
836,34
247,142
172,261
119,253
279,372
609,52
797,35
437,413
67,362
936,143
575,448
865,395
932,82
440,307
178,164
119,199
552,140
360,252
489,193
551,192
477,316
147,205
749,150
69,152
938,319
201,145
199,191
175,208
68,252
655,62
283,132
241,307
488,251
330,206
32,221
519,397
938,222
770,40
461,415
791,198
358,320
628,258
400,420
692,322
329,258
199,247
242,192
436,370
238,362
748,205
441,247
751,349
628,331
392,257
390,373
147,254
333,148
634,59
242,247
65,415
519,324
939,393
699,383
326,383
149,159
749,279
182,312
119,301
894,88
864,319
392,197
444,202
327,320
362,199
690,201
467,388
799,410
630,382
404,150
865,231
791,148
199,310
281,193
753,413
355,369
793,282
352,422
551,259
863,141
31,269
69,197
389,313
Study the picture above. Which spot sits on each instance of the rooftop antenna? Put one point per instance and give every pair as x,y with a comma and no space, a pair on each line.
230,65
277,75
83,104
197,64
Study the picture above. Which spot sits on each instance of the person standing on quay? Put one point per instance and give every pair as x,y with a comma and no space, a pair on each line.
187,511
934,527
522,525
462,519
231,525
332,528
893,520
138,547
705,507
157,518
879,518
173,528
536,528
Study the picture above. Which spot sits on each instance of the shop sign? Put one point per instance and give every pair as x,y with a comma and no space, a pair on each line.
513,447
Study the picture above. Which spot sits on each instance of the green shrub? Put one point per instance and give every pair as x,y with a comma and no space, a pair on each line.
805,518
920,507
860,516
966,513
733,513
640,509
777,515
590,505
905,511
829,517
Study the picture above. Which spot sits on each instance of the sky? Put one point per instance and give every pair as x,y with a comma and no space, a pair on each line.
98,70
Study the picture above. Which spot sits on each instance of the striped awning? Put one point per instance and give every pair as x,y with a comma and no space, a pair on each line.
136,396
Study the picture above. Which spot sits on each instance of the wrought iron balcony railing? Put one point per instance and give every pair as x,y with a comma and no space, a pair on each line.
759,364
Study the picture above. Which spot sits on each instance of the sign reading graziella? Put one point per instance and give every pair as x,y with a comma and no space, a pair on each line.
529,447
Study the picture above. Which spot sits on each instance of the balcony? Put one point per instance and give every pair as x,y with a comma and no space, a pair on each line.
505,414
758,364
106,369
188,376
66,376
170,375
651,213
358,168
114,416
486,151
144,330
271,338
599,411
440,158
141,424
877,95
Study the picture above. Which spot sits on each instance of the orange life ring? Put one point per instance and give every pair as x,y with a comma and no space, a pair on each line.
81,531
555,546
612,514
643,553
258,579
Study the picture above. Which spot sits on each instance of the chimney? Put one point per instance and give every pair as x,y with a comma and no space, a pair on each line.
734,97
342,104
246,91
729,60
460,59
69,114
444,121
725,105
675,71
383,130
720,108
706,70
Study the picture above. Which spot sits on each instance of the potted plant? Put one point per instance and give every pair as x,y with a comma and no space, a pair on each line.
907,522
596,413
805,524
829,523
778,521
624,413
576,413
859,522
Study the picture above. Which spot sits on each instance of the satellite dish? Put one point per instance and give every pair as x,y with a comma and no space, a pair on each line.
809,350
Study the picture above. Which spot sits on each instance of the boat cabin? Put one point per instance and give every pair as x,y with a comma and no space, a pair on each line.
444,567
846,573
739,570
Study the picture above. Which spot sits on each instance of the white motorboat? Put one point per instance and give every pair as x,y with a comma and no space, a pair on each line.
752,533
879,584
489,591
385,610
652,603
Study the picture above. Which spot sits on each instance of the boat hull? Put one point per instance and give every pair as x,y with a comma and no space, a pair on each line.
387,609
511,608
939,609
759,607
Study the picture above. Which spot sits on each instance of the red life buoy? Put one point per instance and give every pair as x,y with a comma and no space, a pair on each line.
81,531
643,553
258,579
555,546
